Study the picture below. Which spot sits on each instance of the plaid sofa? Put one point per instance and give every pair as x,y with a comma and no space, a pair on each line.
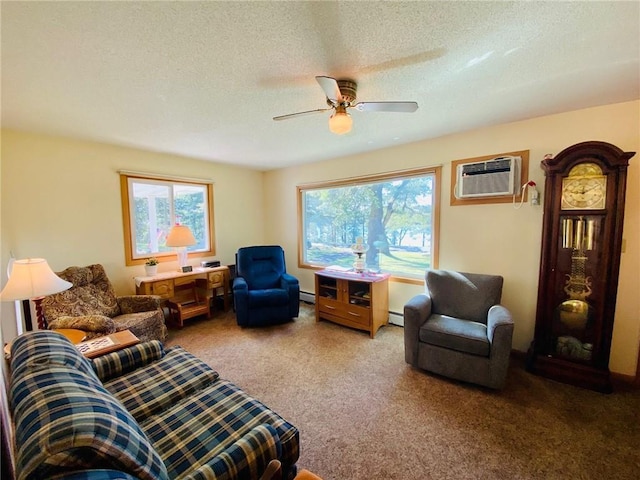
139,413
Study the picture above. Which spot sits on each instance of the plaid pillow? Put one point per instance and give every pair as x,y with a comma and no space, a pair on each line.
127,360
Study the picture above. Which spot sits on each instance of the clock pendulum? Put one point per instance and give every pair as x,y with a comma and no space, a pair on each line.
578,235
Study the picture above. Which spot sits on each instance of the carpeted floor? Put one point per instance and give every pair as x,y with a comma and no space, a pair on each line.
363,413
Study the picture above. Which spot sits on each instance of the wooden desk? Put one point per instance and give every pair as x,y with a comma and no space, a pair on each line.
164,283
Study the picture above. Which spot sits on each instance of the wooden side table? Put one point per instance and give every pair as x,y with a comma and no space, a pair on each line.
107,344
356,300
73,334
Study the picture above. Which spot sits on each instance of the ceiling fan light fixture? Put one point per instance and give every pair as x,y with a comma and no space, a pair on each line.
340,122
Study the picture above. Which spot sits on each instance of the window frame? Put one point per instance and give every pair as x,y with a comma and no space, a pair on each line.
436,171
128,230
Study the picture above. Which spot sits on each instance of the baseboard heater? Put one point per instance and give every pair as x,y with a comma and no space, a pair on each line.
394,317
307,297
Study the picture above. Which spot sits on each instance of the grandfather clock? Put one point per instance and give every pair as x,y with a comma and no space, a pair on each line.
579,266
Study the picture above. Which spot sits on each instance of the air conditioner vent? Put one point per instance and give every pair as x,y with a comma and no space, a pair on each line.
491,178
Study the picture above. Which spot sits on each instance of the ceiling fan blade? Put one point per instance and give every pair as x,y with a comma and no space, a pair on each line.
300,114
331,88
407,107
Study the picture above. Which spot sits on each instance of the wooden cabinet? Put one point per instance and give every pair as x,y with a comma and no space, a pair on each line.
356,300
163,284
581,246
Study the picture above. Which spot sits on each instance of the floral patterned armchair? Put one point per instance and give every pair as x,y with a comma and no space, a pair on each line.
92,305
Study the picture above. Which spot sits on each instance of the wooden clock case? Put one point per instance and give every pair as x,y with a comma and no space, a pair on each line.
579,267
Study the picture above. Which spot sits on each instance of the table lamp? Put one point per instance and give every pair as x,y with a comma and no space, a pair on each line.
33,279
180,236
359,249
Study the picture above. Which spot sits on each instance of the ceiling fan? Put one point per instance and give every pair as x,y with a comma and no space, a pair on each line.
341,95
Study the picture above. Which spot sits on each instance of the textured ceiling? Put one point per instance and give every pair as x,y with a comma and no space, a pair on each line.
204,79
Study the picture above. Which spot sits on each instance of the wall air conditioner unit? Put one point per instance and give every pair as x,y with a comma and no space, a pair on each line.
491,178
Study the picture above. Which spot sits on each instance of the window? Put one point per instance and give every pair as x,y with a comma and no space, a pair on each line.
152,205
396,215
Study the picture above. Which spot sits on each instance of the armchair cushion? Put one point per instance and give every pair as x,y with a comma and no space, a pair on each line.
456,334
270,297
138,303
93,325
91,294
468,296
144,325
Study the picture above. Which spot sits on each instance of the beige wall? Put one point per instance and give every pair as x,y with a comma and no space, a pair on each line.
60,200
490,238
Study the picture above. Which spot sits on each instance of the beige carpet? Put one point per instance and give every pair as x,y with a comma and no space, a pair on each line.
363,413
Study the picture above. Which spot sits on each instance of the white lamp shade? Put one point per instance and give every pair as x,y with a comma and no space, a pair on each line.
180,236
32,278
340,122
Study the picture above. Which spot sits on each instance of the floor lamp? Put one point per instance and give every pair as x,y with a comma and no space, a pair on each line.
33,279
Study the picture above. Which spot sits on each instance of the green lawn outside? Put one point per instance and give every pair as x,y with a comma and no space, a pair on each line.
402,263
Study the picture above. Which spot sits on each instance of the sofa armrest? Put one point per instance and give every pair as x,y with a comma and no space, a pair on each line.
126,360
248,457
138,303
416,312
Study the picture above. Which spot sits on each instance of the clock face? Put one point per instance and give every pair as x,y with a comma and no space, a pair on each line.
584,192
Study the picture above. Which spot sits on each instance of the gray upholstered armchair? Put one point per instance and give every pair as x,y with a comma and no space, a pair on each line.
91,305
458,329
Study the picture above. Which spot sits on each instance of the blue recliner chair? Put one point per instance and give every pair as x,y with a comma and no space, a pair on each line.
263,293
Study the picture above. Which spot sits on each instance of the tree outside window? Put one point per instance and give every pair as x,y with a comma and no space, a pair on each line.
396,215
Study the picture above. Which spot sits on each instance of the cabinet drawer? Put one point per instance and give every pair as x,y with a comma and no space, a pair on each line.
350,313
328,305
163,288
215,279
359,315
